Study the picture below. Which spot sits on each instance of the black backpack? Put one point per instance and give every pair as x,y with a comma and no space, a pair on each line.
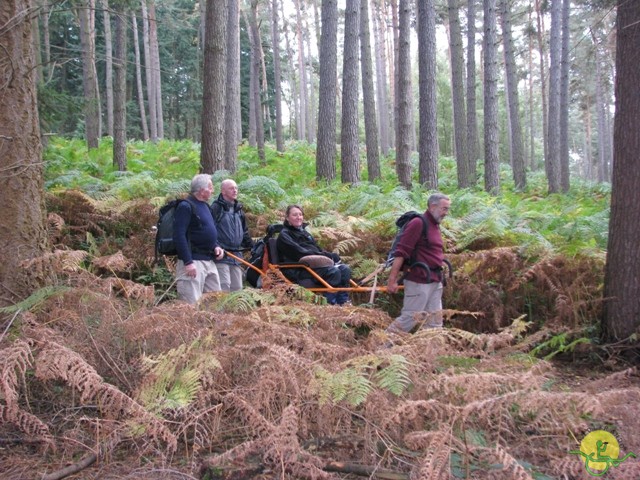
401,224
164,228
257,255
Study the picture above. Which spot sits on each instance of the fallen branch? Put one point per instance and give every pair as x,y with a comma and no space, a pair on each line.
71,469
364,471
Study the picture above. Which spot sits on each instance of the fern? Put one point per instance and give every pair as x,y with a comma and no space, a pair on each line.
354,383
395,376
35,299
173,379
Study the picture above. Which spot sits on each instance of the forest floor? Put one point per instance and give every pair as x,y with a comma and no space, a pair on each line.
295,390
103,380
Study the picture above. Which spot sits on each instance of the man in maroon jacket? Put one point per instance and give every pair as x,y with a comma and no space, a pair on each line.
423,280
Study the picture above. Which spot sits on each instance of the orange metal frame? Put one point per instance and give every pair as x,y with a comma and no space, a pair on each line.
325,287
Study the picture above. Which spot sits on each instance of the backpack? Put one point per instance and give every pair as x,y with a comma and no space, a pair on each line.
401,224
164,244
257,255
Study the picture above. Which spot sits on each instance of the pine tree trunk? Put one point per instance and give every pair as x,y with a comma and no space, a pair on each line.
120,91
516,148
275,35
621,285
86,20
154,49
553,134
214,87
326,150
139,89
23,233
233,133
564,100
428,144
381,80
151,97
256,57
543,80
368,96
108,63
457,91
302,73
491,147
403,124
349,142
293,109
473,148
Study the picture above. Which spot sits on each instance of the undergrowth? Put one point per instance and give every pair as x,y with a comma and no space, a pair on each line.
106,365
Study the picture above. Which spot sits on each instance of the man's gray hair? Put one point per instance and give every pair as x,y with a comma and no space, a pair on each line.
435,198
199,182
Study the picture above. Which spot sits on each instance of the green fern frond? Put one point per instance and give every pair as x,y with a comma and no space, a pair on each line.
518,327
173,379
35,299
395,376
184,389
241,301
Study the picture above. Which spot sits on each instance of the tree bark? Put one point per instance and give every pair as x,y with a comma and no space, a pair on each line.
403,124
326,151
275,35
256,57
233,121
491,147
86,19
139,89
473,148
564,100
516,148
302,70
543,80
120,91
457,92
381,80
151,97
349,151
23,234
214,87
108,63
154,51
428,144
368,97
553,133
621,285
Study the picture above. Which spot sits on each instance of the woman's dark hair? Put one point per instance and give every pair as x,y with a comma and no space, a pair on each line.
291,207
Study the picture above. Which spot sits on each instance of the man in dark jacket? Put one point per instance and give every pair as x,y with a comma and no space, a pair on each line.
233,234
196,240
422,284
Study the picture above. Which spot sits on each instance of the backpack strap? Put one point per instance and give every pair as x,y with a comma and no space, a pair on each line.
425,223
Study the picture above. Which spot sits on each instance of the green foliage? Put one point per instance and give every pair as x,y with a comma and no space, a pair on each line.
538,223
560,343
354,383
173,379
244,301
35,299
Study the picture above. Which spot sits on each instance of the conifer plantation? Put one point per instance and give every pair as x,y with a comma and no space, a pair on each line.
524,112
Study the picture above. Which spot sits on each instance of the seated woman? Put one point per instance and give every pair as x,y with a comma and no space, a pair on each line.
294,243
